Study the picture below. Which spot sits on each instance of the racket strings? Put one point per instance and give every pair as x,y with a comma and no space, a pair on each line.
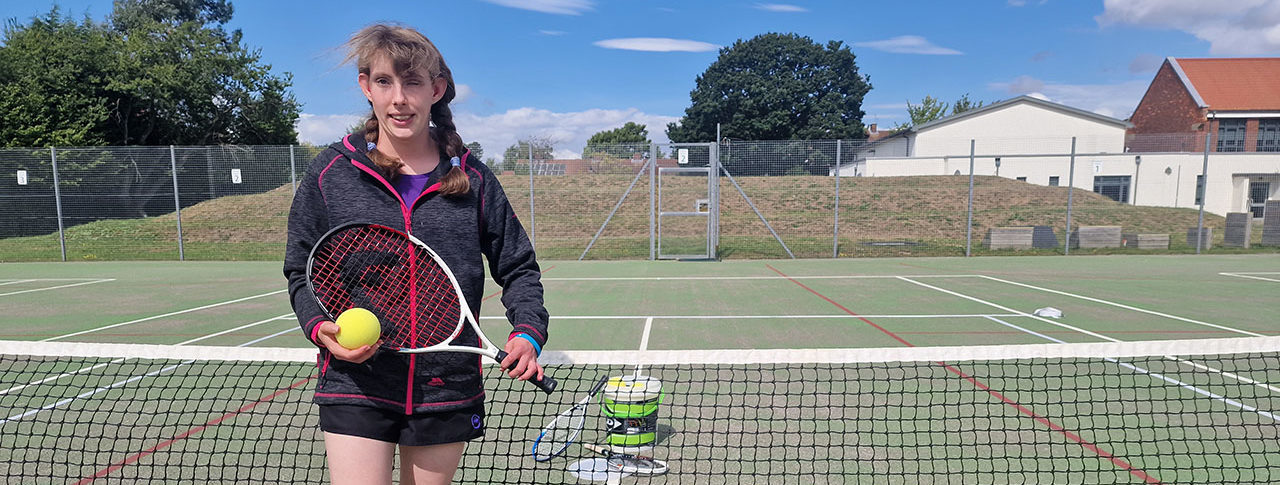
381,270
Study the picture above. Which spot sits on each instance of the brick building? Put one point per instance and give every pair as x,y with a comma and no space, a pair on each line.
1235,101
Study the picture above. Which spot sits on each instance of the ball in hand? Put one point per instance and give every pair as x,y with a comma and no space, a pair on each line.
358,327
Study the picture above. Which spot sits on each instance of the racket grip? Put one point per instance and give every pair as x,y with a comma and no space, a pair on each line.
547,384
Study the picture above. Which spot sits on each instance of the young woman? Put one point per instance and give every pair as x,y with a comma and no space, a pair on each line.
410,170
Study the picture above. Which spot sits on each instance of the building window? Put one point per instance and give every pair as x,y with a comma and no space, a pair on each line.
1269,135
1199,189
1231,135
1022,179
1053,181
1114,186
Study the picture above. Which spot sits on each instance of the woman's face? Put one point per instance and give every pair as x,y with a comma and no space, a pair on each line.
401,101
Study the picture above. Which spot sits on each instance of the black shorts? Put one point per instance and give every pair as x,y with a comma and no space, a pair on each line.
396,427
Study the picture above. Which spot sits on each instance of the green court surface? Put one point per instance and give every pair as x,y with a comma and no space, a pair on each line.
670,305
1072,420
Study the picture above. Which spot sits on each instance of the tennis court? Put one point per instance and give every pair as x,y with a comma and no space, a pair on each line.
766,371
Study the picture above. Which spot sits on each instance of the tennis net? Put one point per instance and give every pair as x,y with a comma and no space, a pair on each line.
1053,413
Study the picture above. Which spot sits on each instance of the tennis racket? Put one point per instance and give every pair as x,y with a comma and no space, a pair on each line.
627,463
561,432
403,282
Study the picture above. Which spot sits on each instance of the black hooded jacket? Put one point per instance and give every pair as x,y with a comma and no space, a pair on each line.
341,185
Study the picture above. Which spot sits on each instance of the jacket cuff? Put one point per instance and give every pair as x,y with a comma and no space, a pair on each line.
314,333
537,348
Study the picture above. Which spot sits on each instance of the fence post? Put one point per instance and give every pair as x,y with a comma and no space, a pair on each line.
653,164
1071,192
293,170
57,202
177,201
532,239
1204,193
835,238
968,231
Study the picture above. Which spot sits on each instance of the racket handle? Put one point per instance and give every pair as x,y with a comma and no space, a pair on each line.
547,384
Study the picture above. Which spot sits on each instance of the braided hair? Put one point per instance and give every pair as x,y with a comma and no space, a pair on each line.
410,51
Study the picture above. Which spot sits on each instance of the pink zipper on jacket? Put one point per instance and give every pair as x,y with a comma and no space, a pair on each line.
406,211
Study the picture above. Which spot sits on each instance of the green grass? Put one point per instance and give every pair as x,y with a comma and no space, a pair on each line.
927,213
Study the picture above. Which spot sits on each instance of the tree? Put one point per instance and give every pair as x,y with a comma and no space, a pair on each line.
542,148
157,72
477,151
931,109
621,142
776,87
965,104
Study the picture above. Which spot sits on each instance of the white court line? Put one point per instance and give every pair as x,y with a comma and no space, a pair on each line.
1176,382
644,338
1249,275
108,387
751,317
170,314
1127,307
14,282
82,283
86,369
721,278
1019,313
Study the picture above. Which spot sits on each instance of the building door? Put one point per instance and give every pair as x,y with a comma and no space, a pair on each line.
1258,193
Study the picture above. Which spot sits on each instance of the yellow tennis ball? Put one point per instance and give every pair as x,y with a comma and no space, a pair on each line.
358,327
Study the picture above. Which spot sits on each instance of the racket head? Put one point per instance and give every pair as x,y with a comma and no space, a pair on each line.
391,274
638,465
563,430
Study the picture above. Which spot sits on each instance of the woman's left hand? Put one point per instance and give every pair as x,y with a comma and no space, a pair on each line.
522,360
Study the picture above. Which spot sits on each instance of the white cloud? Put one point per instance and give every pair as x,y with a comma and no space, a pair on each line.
1234,28
909,44
324,129
1114,100
781,7
552,32
561,7
569,131
462,93
657,44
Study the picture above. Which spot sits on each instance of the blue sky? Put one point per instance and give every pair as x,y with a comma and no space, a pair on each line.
565,69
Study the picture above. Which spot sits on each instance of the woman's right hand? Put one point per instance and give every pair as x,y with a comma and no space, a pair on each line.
328,336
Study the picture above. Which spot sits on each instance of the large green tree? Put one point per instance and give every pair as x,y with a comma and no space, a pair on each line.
776,87
156,72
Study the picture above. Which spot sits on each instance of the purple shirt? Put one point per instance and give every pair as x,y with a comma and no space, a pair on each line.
411,186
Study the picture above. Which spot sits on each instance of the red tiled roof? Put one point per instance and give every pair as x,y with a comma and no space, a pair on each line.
1245,84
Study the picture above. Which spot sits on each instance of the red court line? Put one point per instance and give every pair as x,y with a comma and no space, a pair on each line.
193,431
996,394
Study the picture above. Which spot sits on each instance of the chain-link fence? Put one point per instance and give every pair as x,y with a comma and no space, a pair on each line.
896,196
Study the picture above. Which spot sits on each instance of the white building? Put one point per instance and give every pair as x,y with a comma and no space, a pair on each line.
1031,139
